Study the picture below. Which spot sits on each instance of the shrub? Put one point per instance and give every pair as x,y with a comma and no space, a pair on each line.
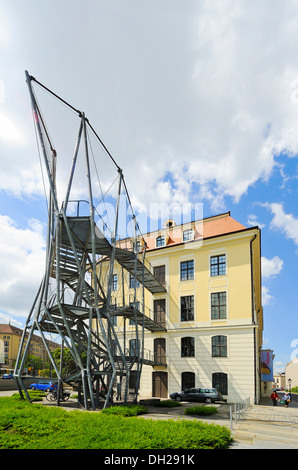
200,410
25,425
126,410
34,395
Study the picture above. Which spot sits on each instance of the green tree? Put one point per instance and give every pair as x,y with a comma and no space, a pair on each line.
34,362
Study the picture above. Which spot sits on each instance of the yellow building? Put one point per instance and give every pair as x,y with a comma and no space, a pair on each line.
10,339
210,313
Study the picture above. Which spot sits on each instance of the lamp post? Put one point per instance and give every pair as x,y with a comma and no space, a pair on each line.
290,383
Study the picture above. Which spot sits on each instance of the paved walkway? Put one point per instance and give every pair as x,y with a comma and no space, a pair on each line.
268,427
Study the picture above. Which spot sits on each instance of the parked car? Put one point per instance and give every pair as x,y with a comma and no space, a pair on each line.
7,376
207,395
46,385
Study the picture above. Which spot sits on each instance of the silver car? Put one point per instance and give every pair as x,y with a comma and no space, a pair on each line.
207,395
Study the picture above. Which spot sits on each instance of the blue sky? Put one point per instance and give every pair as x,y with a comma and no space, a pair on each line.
197,102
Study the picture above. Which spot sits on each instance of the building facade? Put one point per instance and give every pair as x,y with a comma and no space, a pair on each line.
291,374
210,312
280,380
10,339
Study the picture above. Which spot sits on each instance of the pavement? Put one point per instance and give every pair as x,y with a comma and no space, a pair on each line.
265,426
261,426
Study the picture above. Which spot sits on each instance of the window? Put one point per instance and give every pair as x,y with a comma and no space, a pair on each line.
132,282
186,270
188,347
218,306
160,273
114,282
220,382
187,308
218,265
137,246
160,350
187,235
134,347
160,241
160,311
219,346
113,308
187,380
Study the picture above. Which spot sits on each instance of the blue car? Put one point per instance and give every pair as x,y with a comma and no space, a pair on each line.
7,376
45,385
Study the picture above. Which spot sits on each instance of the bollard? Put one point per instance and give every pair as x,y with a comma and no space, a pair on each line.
231,417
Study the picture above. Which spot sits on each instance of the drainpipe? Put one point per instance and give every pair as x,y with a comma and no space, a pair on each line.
253,316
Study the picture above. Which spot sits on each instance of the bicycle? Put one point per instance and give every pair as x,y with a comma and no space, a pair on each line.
53,396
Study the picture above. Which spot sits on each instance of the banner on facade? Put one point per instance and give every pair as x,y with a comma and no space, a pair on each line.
267,366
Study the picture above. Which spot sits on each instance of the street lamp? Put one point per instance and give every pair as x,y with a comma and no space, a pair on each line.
290,383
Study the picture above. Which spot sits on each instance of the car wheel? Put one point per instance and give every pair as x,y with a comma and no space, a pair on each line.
208,400
33,388
178,398
48,389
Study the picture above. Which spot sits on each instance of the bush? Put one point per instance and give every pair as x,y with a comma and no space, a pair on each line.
126,410
25,425
168,403
34,395
200,410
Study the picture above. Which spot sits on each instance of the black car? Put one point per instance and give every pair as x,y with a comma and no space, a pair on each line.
207,395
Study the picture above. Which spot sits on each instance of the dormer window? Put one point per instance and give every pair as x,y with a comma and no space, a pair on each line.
187,235
160,241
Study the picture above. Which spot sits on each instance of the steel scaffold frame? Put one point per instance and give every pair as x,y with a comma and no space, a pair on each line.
76,246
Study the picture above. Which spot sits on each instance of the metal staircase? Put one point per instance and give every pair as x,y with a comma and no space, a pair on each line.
79,312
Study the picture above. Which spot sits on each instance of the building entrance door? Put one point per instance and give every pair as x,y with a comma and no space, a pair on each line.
160,384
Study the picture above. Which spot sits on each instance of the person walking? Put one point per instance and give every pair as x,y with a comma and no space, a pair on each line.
274,397
286,398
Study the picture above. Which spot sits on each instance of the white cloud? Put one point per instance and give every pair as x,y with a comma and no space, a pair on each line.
279,367
266,297
286,223
271,267
22,258
252,220
8,130
208,98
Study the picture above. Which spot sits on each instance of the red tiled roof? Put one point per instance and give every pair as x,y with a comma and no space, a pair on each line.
205,228
6,328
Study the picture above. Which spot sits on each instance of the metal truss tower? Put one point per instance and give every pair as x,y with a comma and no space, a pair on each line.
75,300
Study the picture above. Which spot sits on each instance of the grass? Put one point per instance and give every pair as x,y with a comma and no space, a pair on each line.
25,425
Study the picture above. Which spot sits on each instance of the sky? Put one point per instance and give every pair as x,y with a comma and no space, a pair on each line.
197,102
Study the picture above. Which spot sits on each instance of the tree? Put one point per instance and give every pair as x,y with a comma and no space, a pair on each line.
33,362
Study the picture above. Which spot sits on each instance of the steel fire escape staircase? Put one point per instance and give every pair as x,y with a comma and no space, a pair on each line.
66,304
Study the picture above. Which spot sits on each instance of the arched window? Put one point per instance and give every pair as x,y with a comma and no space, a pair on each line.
188,347
188,380
220,382
219,346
